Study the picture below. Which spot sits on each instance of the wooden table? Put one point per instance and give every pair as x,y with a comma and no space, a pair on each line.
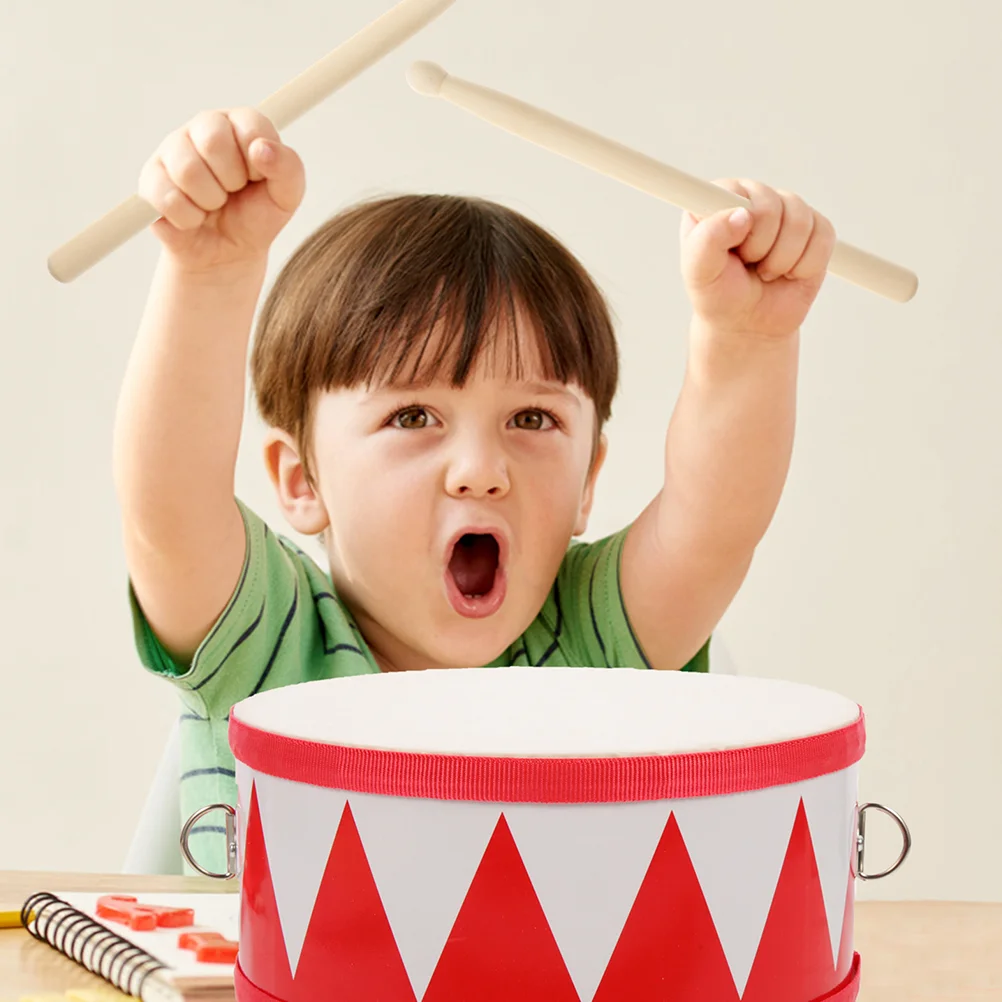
912,951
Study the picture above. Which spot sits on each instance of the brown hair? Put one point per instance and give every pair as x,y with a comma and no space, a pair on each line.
359,299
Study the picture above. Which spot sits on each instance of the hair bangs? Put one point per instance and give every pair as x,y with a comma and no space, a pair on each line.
462,327
416,289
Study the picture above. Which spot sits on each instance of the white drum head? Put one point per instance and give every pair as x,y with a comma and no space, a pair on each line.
548,712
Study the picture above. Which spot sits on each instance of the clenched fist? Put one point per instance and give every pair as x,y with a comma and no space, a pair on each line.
225,185
756,271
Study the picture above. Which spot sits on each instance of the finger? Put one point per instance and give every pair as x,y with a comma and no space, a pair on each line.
281,167
166,198
767,208
794,235
687,225
709,245
814,261
690,221
188,171
248,124
211,133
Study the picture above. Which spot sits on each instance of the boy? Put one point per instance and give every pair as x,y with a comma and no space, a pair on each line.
436,373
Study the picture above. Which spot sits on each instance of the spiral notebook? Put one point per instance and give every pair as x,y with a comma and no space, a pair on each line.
147,965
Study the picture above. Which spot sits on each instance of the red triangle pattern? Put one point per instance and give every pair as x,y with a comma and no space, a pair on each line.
669,947
350,952
501,947
349,945
794,959
262,949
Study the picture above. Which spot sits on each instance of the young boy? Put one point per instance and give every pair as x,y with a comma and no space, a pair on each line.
436,373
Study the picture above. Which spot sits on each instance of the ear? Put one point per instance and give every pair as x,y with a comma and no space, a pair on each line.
588,495
300,501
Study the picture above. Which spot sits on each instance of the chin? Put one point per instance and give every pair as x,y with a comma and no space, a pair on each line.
471,651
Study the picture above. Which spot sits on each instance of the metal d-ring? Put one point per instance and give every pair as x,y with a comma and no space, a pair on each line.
906,839
231,841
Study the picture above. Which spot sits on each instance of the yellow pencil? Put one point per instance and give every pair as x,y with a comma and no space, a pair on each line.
10,920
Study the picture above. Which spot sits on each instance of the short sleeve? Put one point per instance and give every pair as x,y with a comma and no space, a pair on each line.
282,625
260,638
589,597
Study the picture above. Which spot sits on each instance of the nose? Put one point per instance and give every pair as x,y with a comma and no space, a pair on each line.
477,468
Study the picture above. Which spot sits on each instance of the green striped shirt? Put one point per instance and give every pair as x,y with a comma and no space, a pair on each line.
284,624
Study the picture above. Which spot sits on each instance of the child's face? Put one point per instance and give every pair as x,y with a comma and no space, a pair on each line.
403,472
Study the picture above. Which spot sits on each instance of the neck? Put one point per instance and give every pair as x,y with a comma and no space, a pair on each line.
389,653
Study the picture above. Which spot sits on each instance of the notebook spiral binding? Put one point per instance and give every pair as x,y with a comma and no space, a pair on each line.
103,952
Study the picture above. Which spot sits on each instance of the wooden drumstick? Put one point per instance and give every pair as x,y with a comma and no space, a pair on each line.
638,170
287,104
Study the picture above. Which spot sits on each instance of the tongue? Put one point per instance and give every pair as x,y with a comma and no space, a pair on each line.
473,564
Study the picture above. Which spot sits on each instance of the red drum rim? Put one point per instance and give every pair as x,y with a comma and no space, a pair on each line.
525,780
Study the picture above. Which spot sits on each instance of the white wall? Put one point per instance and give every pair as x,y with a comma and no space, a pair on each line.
882,574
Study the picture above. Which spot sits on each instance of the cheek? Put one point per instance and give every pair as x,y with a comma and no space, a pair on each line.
556,493
379,509
556,466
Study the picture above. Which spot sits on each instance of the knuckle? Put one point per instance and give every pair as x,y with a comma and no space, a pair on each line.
770,197
207,115
210,133
253,123
173,201
217,199
766,201
200,121
730,184
809,264
174,207
188,170
794,201
221,154
798,213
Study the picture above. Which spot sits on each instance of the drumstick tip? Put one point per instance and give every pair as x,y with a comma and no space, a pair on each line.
55,270
426,78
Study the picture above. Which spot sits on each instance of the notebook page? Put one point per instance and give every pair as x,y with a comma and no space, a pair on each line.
213,913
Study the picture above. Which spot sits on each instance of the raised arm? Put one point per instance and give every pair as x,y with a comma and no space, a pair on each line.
222,201
752,279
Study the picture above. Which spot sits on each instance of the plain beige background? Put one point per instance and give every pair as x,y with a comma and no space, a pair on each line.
881,576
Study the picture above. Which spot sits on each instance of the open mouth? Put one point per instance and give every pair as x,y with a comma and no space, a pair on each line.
475,577
474,564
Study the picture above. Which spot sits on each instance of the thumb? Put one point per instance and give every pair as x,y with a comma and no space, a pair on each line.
707,244
283,171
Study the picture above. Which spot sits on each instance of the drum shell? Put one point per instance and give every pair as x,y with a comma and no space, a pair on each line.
718,876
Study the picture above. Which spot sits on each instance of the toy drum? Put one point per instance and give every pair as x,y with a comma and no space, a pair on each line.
548,835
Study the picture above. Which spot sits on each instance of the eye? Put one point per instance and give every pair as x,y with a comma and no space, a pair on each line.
534,420
412,419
